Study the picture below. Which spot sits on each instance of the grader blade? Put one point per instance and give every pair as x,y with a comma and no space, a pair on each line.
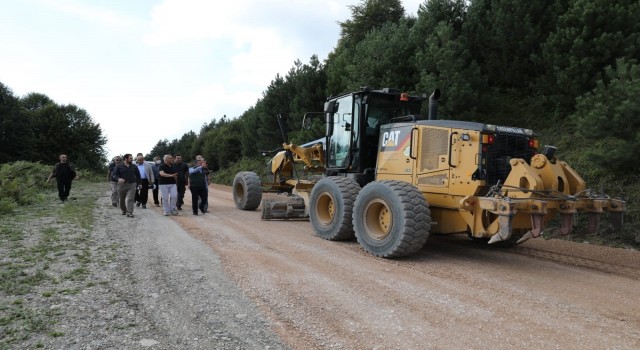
289,208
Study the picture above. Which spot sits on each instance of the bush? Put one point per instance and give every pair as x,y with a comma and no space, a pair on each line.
225,176
7,205
21,183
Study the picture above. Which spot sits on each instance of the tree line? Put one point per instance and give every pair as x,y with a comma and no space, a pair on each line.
35,128
566,68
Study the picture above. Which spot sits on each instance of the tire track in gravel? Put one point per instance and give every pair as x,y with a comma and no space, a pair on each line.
452,294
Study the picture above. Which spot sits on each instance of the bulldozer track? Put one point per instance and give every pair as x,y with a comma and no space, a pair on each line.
570,260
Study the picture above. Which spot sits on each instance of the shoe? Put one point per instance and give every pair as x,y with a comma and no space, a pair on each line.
124,213
115,205
157,204
175,213
179,208
129,215
144,206
166,214
196,213
137,204
205,211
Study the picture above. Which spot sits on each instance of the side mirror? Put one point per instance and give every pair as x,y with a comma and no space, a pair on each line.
306,119
330,107
306,122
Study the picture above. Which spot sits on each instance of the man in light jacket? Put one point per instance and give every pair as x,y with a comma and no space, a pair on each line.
146,179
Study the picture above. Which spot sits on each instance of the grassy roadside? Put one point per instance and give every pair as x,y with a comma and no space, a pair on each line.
45,249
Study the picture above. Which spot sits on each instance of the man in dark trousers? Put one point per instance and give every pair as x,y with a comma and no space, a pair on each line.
156,176
128,180
198,186
113,181
146,178
64,174
182,169
206,170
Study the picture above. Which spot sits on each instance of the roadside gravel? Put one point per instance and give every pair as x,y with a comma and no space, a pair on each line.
149,285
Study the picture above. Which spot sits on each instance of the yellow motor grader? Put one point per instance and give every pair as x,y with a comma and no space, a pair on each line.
390,176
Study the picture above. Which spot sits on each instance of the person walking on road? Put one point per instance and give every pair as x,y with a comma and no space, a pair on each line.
206,170
64,174
198,186
128,179
146,178
182,181
113,181
156,176
167,184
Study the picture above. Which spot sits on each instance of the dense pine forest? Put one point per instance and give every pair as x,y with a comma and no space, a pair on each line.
35,128
567,69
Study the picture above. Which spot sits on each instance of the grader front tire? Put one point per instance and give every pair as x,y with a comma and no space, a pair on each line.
331,205
247,190
391,219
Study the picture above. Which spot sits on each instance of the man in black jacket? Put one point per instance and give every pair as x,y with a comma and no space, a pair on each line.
128,180
64,174
182,169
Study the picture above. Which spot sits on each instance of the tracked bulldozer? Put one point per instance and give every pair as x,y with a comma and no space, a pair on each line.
391,176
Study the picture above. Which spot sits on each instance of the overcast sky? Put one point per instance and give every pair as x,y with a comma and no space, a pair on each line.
147,70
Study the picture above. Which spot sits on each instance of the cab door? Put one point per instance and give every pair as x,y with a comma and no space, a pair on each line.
340,141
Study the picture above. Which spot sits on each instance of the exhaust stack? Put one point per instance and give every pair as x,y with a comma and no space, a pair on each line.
433,104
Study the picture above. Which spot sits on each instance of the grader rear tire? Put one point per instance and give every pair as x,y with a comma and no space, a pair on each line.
331,205
247,190
391,219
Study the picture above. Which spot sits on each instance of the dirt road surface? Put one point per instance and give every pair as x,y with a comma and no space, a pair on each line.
453,294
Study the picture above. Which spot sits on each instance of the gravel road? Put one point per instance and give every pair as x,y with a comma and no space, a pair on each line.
163,289
227,280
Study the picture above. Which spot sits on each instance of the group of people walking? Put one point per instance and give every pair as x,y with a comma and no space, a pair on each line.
169,178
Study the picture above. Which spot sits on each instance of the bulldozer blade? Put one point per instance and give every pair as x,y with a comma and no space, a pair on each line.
566,224
505,230
283,209
593,221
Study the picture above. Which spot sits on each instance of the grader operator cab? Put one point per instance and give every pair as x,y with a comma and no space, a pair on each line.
390,176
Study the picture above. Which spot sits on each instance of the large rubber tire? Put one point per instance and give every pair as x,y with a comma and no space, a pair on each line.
331,207
247,190
391,219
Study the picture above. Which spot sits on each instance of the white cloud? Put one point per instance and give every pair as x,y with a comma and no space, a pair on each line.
91,13
149,72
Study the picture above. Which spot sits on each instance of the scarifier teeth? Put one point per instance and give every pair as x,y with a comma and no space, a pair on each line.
537,224
525,237
566,223
505,230
593,221
616,220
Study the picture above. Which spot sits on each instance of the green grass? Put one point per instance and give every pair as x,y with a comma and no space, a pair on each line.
43,244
